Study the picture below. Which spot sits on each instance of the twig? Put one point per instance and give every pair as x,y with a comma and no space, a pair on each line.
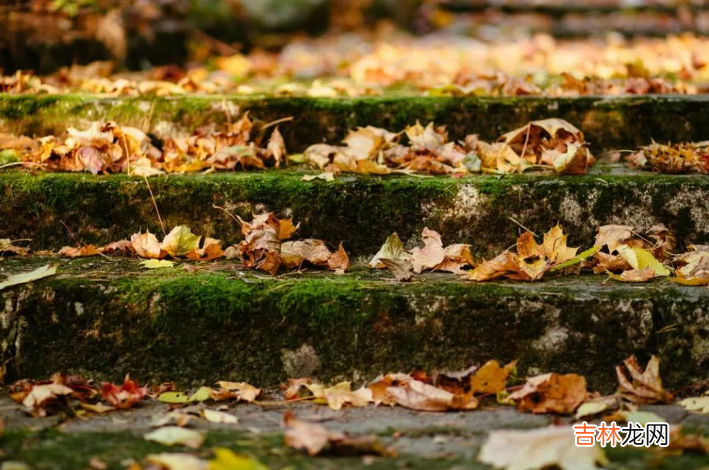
155,204
229,213
525,228
276,122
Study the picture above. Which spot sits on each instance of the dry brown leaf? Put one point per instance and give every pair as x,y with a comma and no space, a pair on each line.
80,252
613,236
339,261
431,255
491,378
340,395
315,439
295,253
634,275
242,391
643,387
408,392
294,386
551,393
402,269
146,245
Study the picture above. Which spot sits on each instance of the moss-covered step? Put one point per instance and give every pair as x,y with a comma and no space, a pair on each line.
106,318
58,209
608,122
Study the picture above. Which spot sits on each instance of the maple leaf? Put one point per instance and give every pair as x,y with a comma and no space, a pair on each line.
402,269
286,228
315,438
146,245
262,247
124,396
491,378
44,395
553,446
242,391
403,390
80,252
8,248
121,246
294,386
551,393
180,241
211,249
392,249
634,275
431,255
339,261
277,148
339,395
426,138
294,253
693,266
644,387
613,236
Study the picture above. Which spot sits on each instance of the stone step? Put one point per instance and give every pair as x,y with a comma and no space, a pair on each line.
609,123
59,209
105,318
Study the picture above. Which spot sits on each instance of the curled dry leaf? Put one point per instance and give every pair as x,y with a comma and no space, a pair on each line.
315,439
535,449
80,252
551,393
179,242
404,390
392,249
146,245
124,396
340,395
293,388
693,266
643,387
238,390
491,378
175,435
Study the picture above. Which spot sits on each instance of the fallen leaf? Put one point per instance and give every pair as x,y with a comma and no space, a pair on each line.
80,252
173,397
340,395
41,396
634,275
644,387
392,249
408,392
99,408
179,242
177,461
239,390
325,176
613,236
146,245
551,393
491,378
596,406
315,438
535,449
125,396
24,278
293,388
339,261
640,260
226,459
157,264
700,404
214,416
402,269
174,435
8,248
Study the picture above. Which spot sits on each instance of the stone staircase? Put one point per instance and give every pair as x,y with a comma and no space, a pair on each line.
107,317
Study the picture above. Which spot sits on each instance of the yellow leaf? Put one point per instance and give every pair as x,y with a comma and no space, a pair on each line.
641,259
157,264
225,459
180,241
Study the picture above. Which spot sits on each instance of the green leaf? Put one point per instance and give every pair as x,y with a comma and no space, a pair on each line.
157,264
202,394
641,259
180,241
173,397
24,278
577,259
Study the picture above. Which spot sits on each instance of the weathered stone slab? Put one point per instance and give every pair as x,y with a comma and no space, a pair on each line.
608,122
361,211
107,318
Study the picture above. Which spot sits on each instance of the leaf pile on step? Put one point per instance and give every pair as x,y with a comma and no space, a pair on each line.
627,256
264,247
552,144
693,266
432,257
42,397
532,260
106,147
179,243
673,159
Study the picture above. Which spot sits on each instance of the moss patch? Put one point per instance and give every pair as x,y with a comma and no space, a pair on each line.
105,320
